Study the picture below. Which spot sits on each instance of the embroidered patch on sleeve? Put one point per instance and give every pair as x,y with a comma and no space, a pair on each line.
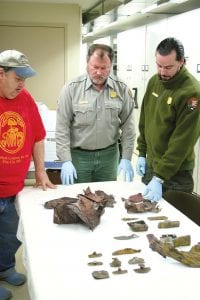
193,103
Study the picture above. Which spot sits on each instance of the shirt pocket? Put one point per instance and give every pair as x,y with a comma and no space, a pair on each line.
113,109
83,115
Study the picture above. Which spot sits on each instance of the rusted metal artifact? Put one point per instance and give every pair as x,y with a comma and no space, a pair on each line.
94,255
137,204
157,218
95,263
126,237
168,224
100,274
142,269
136,260
115,262
120,271
190,258
138,226
175,241
86,208
125,251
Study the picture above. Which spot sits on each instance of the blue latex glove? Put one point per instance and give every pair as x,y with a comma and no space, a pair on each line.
126,167
141,166
153,191
68,173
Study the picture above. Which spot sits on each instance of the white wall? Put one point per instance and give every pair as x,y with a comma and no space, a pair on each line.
50,35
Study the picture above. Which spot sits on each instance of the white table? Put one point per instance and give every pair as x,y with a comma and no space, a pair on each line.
56,256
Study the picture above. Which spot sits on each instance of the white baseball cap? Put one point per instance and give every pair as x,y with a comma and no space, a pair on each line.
18,62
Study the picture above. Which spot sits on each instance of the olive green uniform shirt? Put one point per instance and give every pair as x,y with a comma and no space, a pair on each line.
170,123
91,119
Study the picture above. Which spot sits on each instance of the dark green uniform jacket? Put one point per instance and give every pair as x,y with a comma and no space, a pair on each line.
170,123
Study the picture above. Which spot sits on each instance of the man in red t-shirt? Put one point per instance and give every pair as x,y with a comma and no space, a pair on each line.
21,137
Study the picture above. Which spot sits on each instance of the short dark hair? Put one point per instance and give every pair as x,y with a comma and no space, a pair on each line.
168,45
102,51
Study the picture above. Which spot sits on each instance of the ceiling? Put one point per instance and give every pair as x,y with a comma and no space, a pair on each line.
122,14
84,4
91,9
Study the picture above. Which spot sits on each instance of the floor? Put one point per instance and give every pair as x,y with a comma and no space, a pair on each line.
19,292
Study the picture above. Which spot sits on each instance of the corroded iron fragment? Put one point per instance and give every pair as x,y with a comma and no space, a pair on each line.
175,241
137,204
125,251
95,263
126,237
87,208
63,200
168,224
100,274
129,219
136,260
120,271
190,258
142,269
115,263
94,255
138,226
157,218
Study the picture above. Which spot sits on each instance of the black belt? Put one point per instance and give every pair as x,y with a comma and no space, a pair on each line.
94,150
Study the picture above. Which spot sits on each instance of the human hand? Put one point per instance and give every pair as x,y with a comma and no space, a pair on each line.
126,167
153,191
42,179
68,173
141,166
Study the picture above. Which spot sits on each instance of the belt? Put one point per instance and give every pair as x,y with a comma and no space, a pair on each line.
94,150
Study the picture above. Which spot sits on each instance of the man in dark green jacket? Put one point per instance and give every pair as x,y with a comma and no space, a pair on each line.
169,124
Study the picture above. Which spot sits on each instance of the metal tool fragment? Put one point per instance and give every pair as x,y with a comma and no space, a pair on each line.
168,224
115,263
129,219
95,263
120,271
100,274
126,237
190,258
94,254
142,269
157,218
86,208
126,251
136,260
138,226
137,204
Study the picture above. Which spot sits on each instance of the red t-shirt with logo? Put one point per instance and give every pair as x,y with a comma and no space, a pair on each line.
20,127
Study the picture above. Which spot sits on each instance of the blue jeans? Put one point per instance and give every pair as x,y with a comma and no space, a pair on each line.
9,243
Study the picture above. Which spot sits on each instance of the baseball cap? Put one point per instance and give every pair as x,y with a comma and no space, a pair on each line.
18,62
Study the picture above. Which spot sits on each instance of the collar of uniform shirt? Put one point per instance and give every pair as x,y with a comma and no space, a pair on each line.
89,83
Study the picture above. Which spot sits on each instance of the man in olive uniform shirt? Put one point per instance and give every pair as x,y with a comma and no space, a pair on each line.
169,124
94,111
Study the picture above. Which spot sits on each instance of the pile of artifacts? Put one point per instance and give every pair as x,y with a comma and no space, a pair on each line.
137,204
86,208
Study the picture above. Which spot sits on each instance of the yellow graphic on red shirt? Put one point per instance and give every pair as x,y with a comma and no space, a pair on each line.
12,132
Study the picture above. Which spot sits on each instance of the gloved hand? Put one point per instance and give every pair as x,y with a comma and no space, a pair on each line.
153,191
68,173
126,166
141,166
